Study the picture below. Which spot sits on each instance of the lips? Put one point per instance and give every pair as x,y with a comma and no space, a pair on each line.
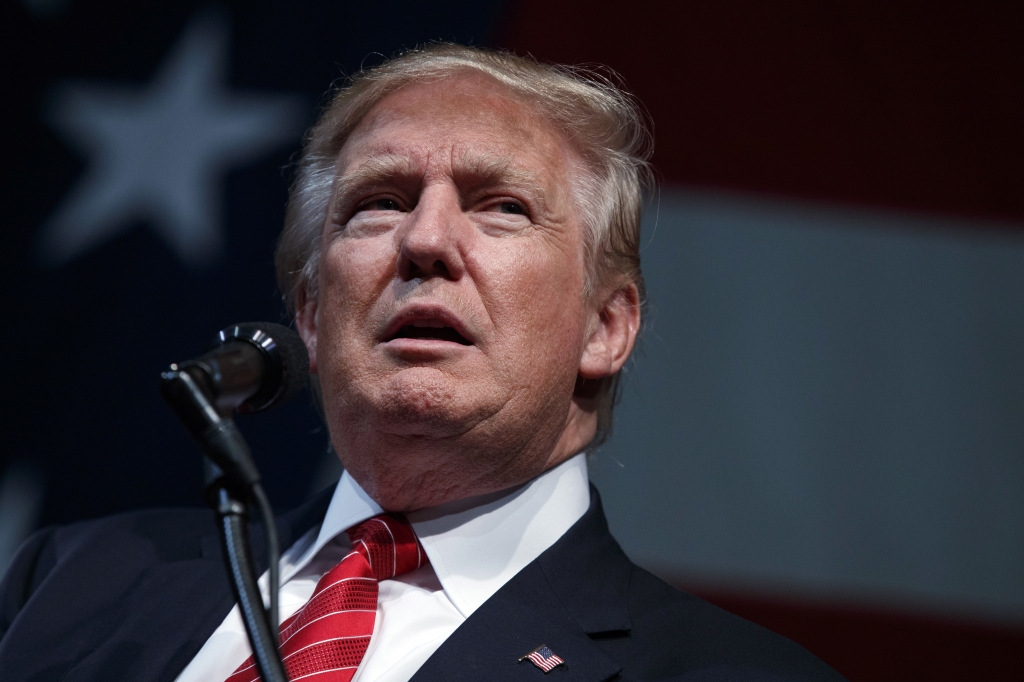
429,324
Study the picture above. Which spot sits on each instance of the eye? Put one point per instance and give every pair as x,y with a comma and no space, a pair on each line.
380,205
511,207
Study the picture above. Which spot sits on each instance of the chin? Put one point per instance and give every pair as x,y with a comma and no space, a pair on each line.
424,401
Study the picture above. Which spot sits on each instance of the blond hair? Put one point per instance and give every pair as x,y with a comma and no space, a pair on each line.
601,121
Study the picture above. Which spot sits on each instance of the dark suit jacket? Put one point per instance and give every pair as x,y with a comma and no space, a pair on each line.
135,596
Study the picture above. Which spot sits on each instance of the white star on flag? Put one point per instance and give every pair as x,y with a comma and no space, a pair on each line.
158,153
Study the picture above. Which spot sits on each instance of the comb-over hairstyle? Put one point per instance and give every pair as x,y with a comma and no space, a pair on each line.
600,120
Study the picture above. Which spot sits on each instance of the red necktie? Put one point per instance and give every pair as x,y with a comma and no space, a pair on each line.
328,636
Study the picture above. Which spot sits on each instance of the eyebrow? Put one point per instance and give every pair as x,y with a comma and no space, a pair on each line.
375,170
474,170
471,171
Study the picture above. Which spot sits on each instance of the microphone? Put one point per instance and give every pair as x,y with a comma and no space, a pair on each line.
251,367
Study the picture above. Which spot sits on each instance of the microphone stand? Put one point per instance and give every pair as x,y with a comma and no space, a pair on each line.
231,482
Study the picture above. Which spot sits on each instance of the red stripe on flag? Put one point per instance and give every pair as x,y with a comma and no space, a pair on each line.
909,105
875,645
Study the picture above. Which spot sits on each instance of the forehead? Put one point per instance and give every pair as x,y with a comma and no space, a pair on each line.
466,120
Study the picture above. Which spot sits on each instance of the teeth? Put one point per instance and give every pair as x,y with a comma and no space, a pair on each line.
428,323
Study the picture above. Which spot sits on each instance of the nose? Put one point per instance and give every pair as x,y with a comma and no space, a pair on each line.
432,237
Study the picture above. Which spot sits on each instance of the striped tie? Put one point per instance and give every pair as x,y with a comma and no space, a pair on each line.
326,639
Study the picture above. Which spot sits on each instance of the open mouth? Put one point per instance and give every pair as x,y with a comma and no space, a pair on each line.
430,329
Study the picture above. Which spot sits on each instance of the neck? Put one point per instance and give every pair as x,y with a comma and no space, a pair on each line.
406,473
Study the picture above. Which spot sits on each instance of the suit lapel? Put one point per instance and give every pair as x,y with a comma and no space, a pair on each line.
174,594
573,590
209,578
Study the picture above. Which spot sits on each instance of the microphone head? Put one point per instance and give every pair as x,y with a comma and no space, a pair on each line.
287,363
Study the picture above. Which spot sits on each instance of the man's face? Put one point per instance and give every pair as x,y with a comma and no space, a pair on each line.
450,323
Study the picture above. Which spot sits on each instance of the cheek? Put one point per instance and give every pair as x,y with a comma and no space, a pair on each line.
543,307
351,276
351,273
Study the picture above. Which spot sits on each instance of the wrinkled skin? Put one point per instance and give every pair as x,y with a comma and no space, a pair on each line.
450,327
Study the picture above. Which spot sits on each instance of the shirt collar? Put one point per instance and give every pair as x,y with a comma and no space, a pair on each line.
349,505
478,544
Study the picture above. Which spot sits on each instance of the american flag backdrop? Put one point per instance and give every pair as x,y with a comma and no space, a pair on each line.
823,430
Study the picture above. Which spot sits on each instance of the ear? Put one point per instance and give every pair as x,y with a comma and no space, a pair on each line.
613,334
306,319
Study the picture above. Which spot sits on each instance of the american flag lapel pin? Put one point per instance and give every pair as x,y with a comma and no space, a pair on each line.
544,658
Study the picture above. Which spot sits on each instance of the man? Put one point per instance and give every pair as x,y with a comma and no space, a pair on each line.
461,253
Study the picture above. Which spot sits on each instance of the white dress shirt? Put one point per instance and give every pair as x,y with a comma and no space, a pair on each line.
475,546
